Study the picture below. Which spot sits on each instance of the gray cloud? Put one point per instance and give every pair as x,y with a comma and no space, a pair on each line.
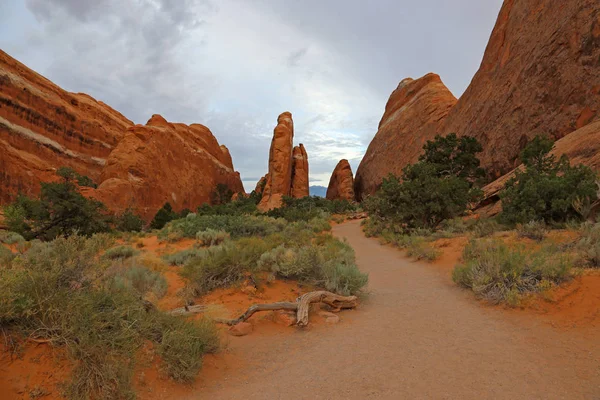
234,65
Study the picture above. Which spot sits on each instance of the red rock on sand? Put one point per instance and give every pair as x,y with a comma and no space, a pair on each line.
341,184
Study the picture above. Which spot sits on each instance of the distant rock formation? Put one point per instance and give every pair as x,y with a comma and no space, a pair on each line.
288,166
163,161
341,184
43,127
413,115
539,75
299,172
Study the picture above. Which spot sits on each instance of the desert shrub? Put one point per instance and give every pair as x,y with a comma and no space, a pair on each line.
60,211
241,206
546,189
211,237
485,227
182,343
10,237
421,250
70,174
535,230
588,245
222,194
499,273
310,207
6,256
140,279
235,225
63,292
129,222
454,226
181,257
120,252
439,187
164,215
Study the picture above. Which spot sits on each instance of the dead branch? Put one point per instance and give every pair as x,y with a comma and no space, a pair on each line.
301,306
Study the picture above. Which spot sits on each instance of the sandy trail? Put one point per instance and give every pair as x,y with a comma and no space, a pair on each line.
416,337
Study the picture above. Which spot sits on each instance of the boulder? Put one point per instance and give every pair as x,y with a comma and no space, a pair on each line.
165,162
279,178
341,184
299,172
240,329
413,114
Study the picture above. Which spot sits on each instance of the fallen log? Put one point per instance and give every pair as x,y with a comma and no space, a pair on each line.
301,307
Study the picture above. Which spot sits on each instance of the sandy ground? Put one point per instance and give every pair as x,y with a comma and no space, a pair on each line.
416,337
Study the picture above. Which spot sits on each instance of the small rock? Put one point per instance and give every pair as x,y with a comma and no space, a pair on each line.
330,318
249,290
285,318
241,329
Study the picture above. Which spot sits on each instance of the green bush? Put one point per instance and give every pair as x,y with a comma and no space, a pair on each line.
211,237
141,280
535,230
70,174
308,208
10,237
164,215
222,194
499,273
181,257
63,292
120,252
420,250
485,227
60,211
547,189
129,222
588,245
6,256
236,226
439,187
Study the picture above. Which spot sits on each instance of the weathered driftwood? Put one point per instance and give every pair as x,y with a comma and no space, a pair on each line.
301,306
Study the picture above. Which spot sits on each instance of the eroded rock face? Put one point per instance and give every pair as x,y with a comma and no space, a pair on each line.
163,161
279,178
43,127
299,172
341,184
539,75
414,114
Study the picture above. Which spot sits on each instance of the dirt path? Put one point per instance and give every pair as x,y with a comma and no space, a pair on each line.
416,337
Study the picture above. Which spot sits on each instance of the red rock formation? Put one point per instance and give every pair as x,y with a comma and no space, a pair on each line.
539,75
413,115
43,127
162,162
341,184
279,178
299,172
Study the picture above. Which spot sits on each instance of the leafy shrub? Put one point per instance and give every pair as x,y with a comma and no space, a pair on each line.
70,174
181,257
535,230
308,208
222,194
547,189
236,225
60,211
211,237
439,187
163,215
63,292
120,252
498,273
589,245
130,222
6,256
420,250
454,226
10,237
140,279
485,227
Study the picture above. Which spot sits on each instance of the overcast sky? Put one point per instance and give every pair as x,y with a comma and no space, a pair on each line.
235,65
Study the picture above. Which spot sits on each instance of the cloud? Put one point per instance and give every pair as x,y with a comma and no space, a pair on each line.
235,65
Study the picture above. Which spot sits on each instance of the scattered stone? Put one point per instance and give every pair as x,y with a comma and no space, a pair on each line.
285,318
330,318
